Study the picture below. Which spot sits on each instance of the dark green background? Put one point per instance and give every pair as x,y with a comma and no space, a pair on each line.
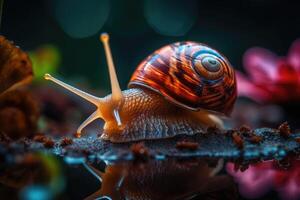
229,26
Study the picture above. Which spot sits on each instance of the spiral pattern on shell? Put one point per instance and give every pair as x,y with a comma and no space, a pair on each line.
191,75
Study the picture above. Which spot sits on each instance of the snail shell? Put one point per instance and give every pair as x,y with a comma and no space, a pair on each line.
191,75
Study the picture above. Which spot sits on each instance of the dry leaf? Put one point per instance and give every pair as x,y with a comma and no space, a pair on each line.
19,113
15,66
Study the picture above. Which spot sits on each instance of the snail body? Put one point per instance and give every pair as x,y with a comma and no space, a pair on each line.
147,115
181,88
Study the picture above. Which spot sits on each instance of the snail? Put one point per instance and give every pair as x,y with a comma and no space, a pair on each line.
182,88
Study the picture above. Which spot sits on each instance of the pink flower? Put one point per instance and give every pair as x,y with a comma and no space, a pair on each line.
255,181
271,79
263,177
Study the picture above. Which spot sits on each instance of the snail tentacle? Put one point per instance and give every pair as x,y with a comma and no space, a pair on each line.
90,98
117,117
116,93
97,114
117,99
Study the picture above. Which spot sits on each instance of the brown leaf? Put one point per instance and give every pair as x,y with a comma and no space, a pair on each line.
15,66
19,113
284,129
139,150
188,145
238,140
66,141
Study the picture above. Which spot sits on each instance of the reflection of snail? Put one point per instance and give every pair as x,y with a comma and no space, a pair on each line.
168,179
171,92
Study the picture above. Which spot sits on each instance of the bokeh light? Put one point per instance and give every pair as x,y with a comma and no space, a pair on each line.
45,59
81,19
36,192
171,18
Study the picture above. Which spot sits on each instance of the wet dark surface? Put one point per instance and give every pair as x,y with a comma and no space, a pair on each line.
210,166
219,145
228,164
272,145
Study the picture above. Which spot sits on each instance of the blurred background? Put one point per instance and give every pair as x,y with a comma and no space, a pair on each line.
62,38
137,28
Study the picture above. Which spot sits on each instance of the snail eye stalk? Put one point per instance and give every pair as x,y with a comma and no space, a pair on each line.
90,98
116,92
